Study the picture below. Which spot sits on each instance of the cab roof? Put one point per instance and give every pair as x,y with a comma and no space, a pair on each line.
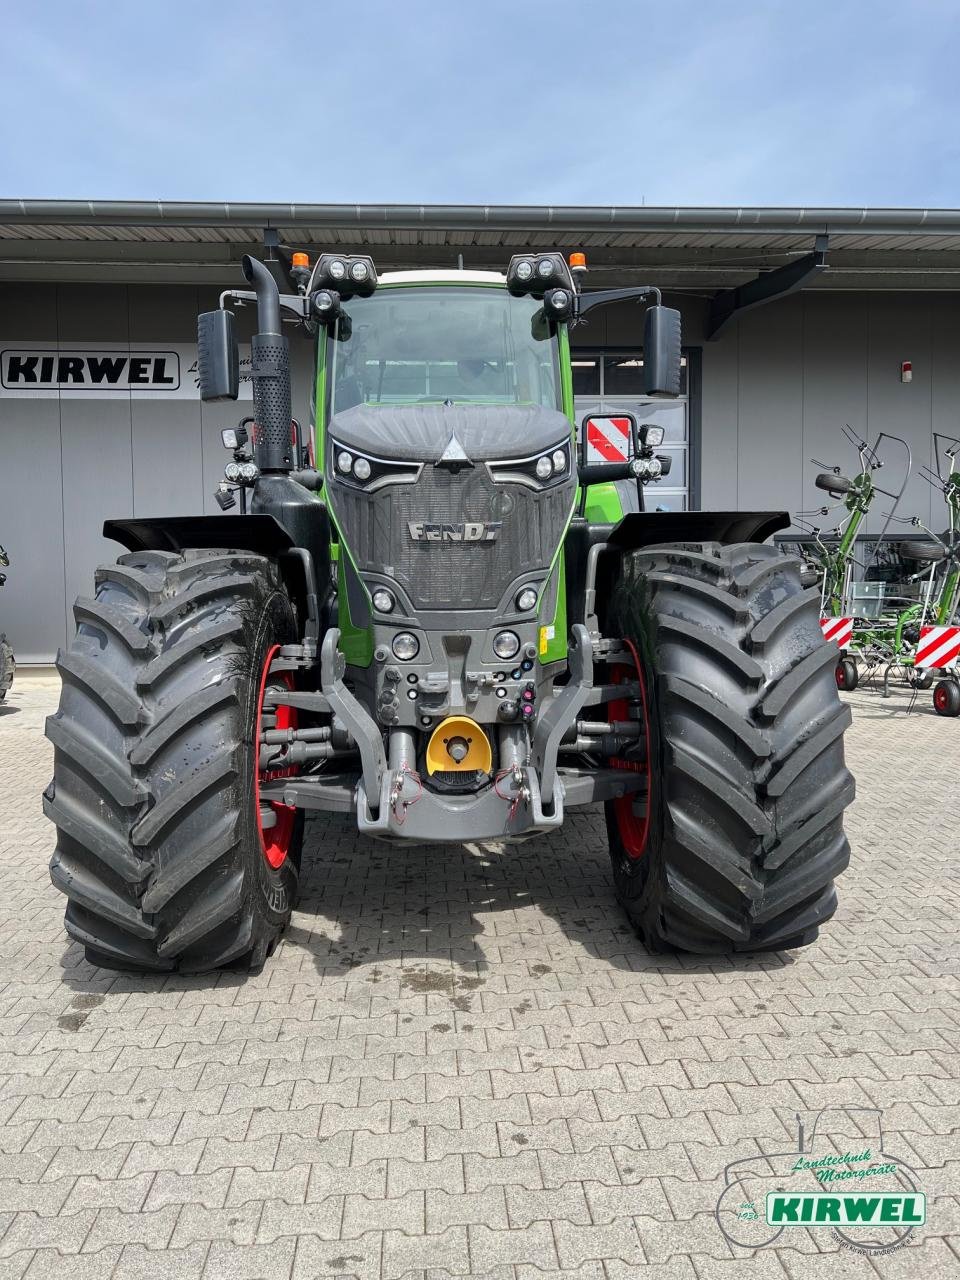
448,276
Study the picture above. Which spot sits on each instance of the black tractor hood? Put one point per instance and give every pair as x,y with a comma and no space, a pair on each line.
422,432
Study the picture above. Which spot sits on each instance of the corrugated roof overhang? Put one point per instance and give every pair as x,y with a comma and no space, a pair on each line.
679,248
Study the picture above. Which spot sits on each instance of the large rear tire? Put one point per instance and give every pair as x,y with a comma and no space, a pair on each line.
159,847
736,834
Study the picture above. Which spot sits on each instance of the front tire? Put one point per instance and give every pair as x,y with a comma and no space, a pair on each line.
159,848
746,782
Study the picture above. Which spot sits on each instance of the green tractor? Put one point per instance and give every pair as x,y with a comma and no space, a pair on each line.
447,630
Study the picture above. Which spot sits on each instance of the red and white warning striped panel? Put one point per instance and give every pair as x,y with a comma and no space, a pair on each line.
840,630
938,647
608,439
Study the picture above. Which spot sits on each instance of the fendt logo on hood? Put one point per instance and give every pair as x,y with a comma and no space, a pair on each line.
468,531
90,370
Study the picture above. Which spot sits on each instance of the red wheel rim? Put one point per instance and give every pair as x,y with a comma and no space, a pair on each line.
941,698
275,840
634,828
841,676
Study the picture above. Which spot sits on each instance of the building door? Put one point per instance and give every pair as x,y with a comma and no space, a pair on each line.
607,381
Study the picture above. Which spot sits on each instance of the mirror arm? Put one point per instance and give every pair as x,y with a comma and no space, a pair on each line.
634,293
295,303
630,293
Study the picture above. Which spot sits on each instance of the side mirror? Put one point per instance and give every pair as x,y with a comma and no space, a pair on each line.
661,351
218,356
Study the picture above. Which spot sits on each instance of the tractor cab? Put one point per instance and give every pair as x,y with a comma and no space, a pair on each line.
433,337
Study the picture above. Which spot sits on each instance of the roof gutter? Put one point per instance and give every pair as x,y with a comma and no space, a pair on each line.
485,217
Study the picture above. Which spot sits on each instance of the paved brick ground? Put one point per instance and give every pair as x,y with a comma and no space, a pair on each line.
461,1063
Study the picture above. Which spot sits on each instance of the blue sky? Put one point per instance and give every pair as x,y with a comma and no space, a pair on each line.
501,102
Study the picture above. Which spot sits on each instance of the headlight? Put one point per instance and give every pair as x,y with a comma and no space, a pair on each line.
524,270
370,472
232,472
526,599
325,304
545,269
559,299
359,272
337,269
506,644
653,436
249,471
547,468
406,646
383,600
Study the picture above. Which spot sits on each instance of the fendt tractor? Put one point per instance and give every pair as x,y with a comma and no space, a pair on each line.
447,629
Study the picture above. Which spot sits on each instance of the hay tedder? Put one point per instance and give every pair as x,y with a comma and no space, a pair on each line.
891,610
8,663
447,630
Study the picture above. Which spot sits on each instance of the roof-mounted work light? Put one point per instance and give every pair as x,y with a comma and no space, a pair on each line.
348,275
325,305
558,303
534,274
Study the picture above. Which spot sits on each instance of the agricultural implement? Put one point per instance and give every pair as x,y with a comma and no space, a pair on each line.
447,630
937,647
844,581
8,663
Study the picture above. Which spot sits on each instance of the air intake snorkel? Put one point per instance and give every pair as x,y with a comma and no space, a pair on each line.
270,371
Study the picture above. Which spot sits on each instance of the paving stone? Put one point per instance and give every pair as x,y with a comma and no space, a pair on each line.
321,1218
289,1185
447,1249
49,1264
65,1232
96,1193
236,1225
447,1209
117,1227
250,1262
208,1189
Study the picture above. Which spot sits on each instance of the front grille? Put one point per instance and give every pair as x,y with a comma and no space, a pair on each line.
447,575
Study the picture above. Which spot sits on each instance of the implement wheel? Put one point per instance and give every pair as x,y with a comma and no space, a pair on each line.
946,698
735,835
847,675
164,853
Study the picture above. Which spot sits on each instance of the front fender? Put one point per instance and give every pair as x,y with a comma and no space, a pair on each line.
261,534
645,528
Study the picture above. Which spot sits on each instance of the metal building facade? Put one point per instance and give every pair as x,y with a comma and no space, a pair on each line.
764,396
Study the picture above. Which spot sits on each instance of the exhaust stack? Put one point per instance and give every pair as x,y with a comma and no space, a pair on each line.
270,351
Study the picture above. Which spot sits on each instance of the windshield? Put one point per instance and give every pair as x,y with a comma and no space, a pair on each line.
422,343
